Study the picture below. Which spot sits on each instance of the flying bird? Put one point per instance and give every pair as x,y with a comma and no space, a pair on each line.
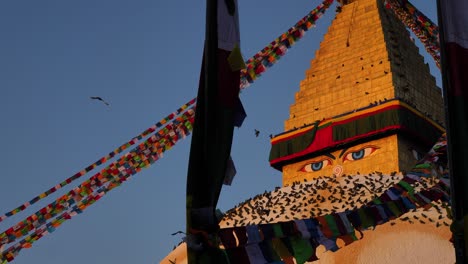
100,99
257,132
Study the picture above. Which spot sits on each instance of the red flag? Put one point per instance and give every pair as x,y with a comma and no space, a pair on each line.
453,25
454,19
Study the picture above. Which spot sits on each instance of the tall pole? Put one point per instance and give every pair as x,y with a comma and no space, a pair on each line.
455,91
200,210
218,93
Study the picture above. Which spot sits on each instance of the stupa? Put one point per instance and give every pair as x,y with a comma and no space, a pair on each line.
367,84
367,110
368,106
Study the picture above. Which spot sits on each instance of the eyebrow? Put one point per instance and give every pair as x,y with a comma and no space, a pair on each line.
342,152
330,156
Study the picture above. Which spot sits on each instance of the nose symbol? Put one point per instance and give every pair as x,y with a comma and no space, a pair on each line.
338,170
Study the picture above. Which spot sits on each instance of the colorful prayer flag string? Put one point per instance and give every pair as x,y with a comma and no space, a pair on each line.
243,244
99,162
392,204
255,66
269,55
115,174
258,62
264,58
298,239
426,30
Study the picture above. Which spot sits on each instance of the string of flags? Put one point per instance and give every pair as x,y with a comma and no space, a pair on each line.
298,239
100,161
138,158
270,54
47,219
86,194
401,196
426,30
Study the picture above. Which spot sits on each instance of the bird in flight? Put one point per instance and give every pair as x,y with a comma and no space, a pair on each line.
257,132
178,232
100,99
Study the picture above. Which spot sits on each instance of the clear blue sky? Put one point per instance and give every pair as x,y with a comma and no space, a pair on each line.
144,58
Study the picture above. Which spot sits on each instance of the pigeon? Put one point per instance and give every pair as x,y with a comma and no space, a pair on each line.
100,99
257,132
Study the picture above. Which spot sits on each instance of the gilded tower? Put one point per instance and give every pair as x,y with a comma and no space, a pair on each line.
367,107
366,110
367,103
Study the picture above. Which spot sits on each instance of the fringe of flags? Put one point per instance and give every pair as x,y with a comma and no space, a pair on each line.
426,30
40,217
47,219
100,161
50,217
270,54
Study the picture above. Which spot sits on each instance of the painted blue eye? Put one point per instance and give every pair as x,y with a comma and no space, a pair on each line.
315,166
358,154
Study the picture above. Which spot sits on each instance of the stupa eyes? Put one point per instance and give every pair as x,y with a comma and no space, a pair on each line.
329,159
359,154
316,166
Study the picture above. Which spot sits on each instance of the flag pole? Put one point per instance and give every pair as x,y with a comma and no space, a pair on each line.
209,152
200,150
456,116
